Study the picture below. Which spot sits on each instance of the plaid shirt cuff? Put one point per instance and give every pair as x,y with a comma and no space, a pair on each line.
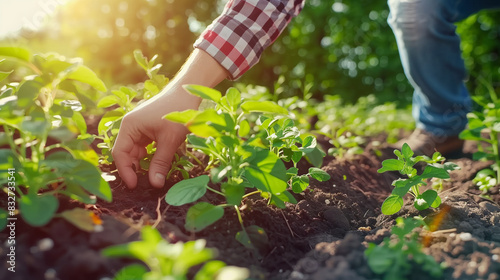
237,38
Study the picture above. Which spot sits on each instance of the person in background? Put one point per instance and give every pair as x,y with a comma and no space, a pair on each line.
235,40
430,53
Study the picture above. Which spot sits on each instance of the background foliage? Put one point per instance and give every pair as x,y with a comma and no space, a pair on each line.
332,47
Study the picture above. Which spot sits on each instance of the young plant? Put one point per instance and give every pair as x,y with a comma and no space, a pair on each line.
484,126
45,145
412,184
122,102
285,140
485,180
240,159
171,261
394,257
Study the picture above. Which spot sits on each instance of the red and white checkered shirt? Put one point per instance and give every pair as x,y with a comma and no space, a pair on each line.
237,38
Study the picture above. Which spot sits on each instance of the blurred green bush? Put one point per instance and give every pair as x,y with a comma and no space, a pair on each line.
332,47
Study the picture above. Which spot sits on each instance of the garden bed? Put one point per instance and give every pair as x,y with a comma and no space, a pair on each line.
323,236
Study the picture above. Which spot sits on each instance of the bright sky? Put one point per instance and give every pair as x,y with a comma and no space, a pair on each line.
15,14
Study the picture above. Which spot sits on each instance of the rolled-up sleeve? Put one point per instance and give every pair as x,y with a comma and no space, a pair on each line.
237,38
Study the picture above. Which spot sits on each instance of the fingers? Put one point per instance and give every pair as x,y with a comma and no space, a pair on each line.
160,165
126,154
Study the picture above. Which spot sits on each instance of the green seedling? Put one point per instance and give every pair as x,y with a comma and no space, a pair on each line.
241,158
404,164
484,127
45,145
485,180
394,257
171,261
122,101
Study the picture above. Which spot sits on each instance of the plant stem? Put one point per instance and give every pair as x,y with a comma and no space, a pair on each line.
494,144
10,138
251,193
215,191
240,219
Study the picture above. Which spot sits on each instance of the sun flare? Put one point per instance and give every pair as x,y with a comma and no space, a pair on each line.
29,14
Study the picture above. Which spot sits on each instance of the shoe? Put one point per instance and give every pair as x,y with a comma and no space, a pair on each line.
425,143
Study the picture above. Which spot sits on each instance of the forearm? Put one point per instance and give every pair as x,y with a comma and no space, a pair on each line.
200,69
237,38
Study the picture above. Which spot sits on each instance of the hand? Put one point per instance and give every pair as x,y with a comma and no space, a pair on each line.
146,124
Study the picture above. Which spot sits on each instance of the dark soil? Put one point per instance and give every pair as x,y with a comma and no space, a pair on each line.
323,236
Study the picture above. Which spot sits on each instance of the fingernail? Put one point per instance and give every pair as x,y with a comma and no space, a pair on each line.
160,178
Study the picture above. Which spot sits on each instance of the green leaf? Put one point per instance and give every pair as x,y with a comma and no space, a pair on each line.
319,174
266,171
402,186
233,192
80,218
4,75
62,134
244,128
197,142
253,237
436,202
85,75
263,107
315,157
297,156
80,122
86,175
204,92
279,199
141,59
209,270
380,258
38,210
36,127
151,235
434,172
131,272
472,134
108,119
181,117
391,165
406,151
201,215
3,219
107,101
430,196
309,144
15,52
392,204
187,191
210,123
76,192
233,98
300,183
27,93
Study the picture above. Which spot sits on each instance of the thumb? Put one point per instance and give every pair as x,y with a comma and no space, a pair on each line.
160,165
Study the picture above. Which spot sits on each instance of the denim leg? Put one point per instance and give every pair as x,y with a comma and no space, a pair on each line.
431,57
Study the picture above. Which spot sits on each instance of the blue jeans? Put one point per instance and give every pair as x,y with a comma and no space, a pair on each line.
430,53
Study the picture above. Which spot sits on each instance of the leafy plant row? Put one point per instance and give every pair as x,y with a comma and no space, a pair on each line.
45,148
246,157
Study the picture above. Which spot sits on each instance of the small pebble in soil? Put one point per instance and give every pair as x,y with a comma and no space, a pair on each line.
297,275
465,236
45,244
327,201
50,274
